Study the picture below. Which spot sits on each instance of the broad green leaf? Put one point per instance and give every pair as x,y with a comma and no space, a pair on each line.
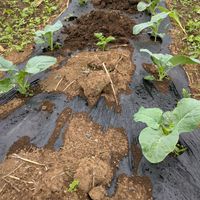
98,35
149,78
110,39
186,115
181,60
159,59
140,27
53,28
6,85
6,65
156,145
39,63
151,116
142,6
160,16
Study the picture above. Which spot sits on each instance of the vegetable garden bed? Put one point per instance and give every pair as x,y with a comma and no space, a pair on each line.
70,134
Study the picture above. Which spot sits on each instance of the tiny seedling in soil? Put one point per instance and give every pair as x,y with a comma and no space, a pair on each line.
103,41
165,62
19,77
82,2
161,136
73,186
148,5
185,93
46,35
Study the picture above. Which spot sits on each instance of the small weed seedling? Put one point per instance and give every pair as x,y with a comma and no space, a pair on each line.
19,78
185,93
103,41
82,2
161,136
46,35
73,186
149,5
165,62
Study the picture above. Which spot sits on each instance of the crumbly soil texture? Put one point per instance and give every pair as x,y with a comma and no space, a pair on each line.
129,6
88,155
80,34
92,75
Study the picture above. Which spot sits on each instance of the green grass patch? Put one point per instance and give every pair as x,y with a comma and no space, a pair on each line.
19,19
189,11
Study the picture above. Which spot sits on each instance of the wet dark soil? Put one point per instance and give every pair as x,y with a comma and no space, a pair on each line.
80,34
129,6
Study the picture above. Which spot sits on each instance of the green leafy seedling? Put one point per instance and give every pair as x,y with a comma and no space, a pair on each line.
73,186
19,77
46,35
82,2
149,5
161,136
103,41
165,62
185,93
153,24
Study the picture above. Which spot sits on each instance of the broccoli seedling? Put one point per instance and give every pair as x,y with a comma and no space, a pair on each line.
103,41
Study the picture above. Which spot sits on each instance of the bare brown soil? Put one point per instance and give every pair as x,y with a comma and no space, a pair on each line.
11,106
88,155
129,6
80,35
161,86
84,75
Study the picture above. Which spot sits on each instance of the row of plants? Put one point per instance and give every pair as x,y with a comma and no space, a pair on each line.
161,136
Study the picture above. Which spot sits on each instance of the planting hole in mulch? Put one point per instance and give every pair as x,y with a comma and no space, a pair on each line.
94,74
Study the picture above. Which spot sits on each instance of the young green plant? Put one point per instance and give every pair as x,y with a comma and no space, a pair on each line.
73,186
82,2
161,136
103,41
46,35
149,5
153,25
18,78
165,62
155,22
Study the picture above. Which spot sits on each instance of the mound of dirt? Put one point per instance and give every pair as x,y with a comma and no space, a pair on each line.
133,188
85,75
129,6
113,23
88,154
